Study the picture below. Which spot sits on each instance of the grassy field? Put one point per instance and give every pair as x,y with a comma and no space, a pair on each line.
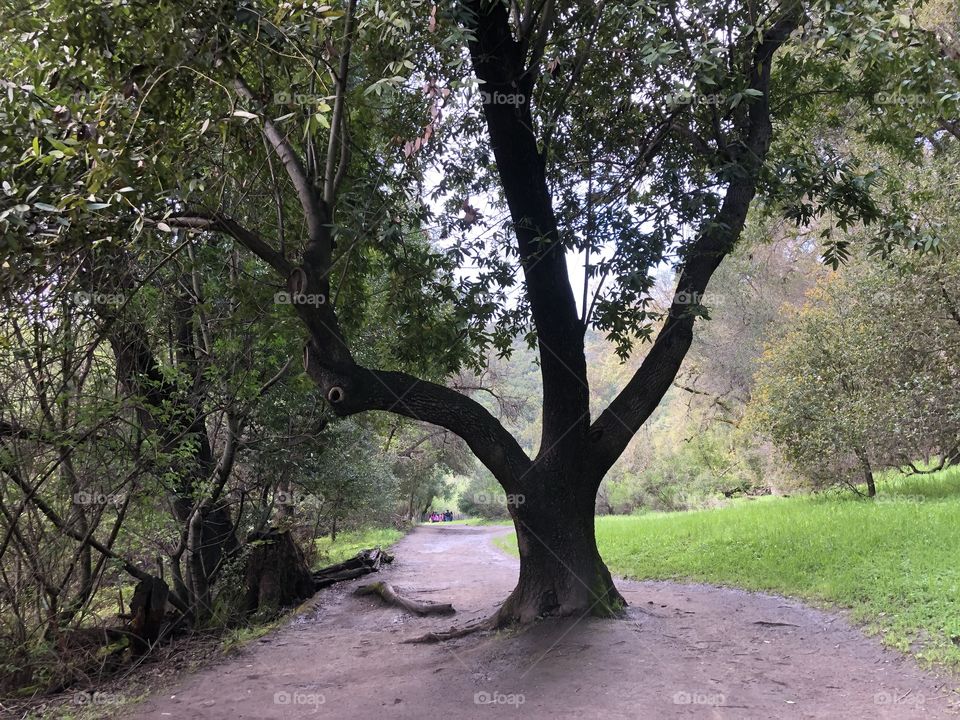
350,543
477,521
894,561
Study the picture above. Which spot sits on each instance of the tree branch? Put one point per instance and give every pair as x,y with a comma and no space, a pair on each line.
313,210
359,389
616,425
223,224
498,61
332,175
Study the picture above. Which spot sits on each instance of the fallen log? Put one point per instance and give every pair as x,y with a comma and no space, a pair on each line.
418,607
363,563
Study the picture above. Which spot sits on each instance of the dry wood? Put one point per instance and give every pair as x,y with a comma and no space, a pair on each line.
419,607
363,563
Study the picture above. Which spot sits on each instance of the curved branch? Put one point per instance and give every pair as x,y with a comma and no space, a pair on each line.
351,388
359,389
215,222
616,426
313,208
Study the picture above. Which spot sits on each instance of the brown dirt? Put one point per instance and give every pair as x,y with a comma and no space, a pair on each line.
682,651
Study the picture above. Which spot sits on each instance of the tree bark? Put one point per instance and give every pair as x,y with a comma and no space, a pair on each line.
561,571
209,530
867,472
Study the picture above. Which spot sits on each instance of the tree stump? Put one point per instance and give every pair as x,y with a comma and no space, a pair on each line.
148,612
277,575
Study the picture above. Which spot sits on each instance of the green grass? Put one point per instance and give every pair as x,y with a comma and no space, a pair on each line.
894,561
507,543
350,543
477,521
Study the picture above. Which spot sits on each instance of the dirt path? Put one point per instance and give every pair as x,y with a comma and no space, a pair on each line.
683,651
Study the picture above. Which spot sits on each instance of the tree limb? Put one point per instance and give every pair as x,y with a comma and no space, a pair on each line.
498,61
614,428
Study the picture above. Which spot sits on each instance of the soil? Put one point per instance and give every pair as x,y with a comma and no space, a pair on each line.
681,651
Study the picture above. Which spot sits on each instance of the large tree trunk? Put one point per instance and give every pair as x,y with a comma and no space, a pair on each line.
561,571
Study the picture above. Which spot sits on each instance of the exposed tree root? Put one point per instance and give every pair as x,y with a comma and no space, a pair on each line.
490,623
419,607
512,614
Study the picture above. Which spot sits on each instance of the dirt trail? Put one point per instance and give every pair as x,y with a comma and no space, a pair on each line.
682,651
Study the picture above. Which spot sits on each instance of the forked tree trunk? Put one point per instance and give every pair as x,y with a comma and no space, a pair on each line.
561,571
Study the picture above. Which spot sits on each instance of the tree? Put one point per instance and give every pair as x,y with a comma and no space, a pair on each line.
865,376
631,133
